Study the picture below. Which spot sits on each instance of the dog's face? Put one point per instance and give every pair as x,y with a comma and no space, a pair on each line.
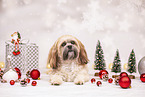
66,49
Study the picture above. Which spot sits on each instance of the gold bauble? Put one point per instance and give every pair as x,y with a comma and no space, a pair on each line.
2,64
110,65
48,66
93,65
125,66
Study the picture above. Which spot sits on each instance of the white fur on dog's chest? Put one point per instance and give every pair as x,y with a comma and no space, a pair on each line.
69,71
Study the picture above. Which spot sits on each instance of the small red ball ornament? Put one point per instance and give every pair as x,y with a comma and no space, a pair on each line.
35,74
99,83
102,72
28,80
123,74
142,77
12,82
110,80
34,83
93,80
124,82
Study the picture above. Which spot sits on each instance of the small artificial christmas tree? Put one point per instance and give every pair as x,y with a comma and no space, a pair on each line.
99,58
116,64
132,64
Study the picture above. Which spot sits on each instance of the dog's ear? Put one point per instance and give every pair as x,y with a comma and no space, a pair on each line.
83,58
53,57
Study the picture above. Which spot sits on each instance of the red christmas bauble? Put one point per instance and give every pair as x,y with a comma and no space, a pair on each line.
18,72
35,74
12,82
34,83
93,80
123,74
28,80
99,83
17,69
110,80
142,77
124,82
102,72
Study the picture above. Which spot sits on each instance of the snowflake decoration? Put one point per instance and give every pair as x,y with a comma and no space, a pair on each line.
133,5
93,19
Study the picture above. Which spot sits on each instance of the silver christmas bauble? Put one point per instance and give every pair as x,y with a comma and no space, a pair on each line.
141,66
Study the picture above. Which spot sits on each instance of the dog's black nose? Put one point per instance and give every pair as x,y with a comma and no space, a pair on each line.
69,46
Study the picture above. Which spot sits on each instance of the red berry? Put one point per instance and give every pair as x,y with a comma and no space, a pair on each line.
14,53
110,80
28,80
142,77
93,80
34,83
12,82
99,83
18,53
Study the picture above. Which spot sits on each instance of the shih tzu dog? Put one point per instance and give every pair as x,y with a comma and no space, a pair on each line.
68,60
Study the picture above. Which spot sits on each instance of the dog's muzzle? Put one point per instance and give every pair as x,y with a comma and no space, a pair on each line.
70,52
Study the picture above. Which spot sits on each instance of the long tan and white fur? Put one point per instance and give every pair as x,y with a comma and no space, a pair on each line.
68,60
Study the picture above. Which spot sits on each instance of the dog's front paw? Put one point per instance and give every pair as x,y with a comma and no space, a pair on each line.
79,81
56,80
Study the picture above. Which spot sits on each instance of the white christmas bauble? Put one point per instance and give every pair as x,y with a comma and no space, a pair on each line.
141,66
10,75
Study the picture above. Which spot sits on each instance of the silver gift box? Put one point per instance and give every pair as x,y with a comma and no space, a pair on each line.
27,60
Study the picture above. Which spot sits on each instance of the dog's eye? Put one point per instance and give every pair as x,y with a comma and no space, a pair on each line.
63,44
72,42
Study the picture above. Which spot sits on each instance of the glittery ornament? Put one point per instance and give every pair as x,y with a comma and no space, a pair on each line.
124,82
102,72
93,80
123,74
12,82
34,83
117,80
28,80
99,83
141,66
28,74
110,80
105,77
35,74
23,83
9,73
142,77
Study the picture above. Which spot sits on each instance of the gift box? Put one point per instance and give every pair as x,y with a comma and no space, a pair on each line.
28,58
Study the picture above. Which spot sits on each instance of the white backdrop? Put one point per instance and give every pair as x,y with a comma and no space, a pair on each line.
118,24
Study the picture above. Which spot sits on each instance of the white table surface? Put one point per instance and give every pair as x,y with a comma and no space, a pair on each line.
69,89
